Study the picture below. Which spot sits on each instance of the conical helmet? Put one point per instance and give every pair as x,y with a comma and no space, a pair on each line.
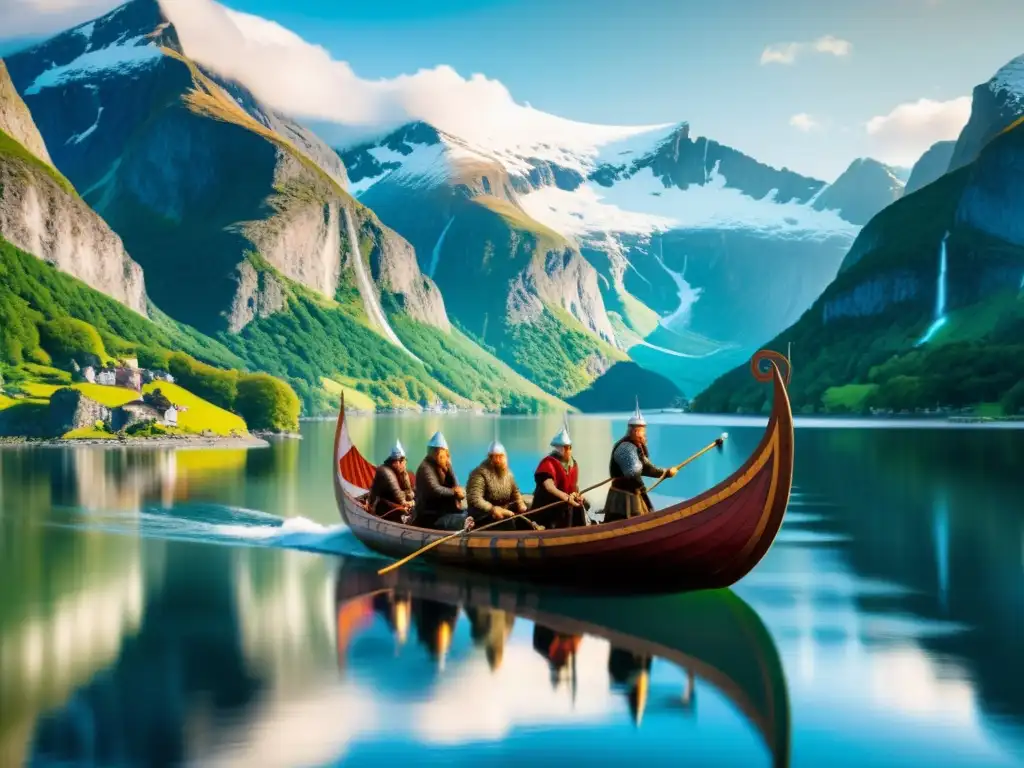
562,439
496,448
437,441
637,419
398,452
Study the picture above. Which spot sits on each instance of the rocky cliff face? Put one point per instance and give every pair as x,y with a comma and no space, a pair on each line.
15,119
198,176
678,229
995,106
951,251
932,165
41,213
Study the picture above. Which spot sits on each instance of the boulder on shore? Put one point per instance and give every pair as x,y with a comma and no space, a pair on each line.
70,409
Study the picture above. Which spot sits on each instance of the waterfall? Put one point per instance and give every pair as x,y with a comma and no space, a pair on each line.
435,255
940,295
371,303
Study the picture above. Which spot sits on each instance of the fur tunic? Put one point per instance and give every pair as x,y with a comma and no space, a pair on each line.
487,489
390,489
434,494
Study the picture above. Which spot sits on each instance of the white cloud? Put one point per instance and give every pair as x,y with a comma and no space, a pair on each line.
32,18
303,80
803,122
781,53
787,53
834,45
902,136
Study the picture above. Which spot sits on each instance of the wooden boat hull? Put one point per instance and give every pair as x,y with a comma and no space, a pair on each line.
713,634
709,541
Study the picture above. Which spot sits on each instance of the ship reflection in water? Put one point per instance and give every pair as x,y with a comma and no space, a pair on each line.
422,635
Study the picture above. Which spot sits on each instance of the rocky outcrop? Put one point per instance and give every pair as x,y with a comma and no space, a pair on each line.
563,278
41,214
873,296
395,269
995,106
70,409
931,166
131,414
16,120
994,195
259,294
41,218
861,191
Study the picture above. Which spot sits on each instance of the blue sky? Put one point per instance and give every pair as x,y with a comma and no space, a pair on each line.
654,61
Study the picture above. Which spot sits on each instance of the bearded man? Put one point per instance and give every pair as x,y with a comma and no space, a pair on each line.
557,479
492,493
391,489
629,464
438,493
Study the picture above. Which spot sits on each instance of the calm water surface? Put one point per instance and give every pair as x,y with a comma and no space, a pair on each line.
207,608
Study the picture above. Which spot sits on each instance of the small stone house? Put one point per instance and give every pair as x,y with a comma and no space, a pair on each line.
128,377
89,374
135,412
171,417
106,377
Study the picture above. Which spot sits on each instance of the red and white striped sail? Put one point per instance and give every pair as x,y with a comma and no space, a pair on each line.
354,472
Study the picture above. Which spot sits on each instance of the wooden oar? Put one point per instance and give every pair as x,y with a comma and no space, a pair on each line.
718,443
464,532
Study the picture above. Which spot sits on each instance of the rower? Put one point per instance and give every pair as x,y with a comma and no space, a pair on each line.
558,648
557,478
492,493
631,671
629,463
438,493
391,489
490,628
435,624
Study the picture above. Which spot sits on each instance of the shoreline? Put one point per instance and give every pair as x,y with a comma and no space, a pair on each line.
187,443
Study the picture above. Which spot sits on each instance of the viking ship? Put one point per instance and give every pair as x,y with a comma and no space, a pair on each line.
709,541
714,636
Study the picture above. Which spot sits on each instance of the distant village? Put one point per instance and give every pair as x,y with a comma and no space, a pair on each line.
152,407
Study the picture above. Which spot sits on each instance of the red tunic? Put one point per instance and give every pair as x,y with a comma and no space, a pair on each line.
565,481
553,468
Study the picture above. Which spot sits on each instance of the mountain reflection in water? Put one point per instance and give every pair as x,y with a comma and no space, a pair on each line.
153,612
712,636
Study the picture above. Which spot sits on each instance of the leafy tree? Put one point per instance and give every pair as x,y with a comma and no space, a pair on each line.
267,403
66,339
217,386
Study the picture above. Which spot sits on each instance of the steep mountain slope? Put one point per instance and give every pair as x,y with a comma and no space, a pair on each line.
239,216
995,106
33,293
863,189
677,228
931,165
41,212
927,309
459,208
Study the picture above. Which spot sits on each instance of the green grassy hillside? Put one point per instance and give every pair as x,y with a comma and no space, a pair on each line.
32,293
486,251
858,347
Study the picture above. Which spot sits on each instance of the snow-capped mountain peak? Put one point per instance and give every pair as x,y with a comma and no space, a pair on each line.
125,39
1010,80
